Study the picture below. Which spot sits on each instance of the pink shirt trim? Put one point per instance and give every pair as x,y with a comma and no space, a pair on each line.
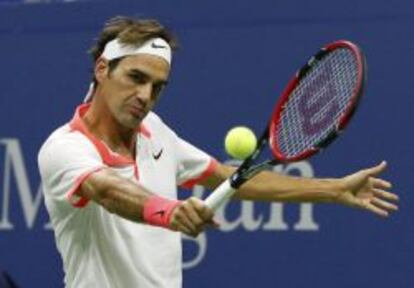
82,201
108,157
189,184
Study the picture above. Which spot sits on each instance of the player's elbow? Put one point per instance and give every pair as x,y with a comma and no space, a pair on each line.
102,189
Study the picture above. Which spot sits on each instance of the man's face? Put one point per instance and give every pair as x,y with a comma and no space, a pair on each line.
131,90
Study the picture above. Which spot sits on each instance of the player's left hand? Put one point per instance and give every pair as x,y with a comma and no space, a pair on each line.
365,190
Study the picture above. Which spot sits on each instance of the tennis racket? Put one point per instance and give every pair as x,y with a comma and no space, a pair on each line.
313,110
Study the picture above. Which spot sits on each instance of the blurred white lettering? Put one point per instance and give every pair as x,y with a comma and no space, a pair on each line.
14,165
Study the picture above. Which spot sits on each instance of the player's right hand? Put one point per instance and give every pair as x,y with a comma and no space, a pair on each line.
192,217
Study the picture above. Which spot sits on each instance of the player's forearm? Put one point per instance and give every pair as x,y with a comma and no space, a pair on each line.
270,186
116,195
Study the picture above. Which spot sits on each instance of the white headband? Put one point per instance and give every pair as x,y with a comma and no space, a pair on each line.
155,46
115,49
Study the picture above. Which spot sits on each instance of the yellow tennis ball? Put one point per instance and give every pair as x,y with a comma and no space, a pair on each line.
240,142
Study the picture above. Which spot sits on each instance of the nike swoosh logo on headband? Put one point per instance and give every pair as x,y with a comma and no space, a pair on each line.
156,46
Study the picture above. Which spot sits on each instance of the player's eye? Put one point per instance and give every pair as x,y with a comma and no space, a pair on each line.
138,78
157,89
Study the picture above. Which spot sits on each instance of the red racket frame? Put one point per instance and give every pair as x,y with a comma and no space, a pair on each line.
344,118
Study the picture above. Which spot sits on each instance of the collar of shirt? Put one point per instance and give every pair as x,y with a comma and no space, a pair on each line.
109,157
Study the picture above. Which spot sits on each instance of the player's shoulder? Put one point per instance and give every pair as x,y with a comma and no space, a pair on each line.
64,138
154,124
152,119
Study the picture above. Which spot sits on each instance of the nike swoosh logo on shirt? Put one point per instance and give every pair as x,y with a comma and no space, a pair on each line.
158,155
161,213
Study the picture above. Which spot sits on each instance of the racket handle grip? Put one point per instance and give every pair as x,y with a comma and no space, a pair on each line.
220,195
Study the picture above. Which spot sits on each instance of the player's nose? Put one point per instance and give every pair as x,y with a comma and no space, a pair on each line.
144,92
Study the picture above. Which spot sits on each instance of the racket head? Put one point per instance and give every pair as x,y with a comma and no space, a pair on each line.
318,103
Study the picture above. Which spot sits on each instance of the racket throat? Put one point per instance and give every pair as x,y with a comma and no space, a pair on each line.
238,179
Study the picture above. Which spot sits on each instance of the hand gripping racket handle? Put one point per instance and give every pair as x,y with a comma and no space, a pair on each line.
220,195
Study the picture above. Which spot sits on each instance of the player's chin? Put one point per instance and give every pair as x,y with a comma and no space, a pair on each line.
137,113
130,121
136,119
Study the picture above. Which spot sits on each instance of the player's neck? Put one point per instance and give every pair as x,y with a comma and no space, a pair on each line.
103,125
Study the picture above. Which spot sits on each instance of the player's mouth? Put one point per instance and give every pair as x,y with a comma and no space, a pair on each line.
137,111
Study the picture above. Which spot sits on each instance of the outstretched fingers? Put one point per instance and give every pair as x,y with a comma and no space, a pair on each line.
381,183
381,203
380,193
385,205
376,210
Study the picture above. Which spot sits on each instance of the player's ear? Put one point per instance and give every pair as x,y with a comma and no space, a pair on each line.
101,69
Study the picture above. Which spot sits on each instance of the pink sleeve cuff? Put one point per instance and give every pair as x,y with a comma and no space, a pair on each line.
72,197
189,184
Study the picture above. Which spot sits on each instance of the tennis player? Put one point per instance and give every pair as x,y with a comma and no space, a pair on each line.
110,175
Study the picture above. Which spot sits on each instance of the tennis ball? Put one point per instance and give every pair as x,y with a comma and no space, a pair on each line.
240,142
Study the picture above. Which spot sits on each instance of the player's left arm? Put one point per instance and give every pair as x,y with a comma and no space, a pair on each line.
363,189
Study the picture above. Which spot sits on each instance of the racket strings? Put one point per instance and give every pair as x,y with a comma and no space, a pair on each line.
318,102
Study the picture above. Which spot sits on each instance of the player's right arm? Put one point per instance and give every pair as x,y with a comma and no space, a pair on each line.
73,174
115,194
128,200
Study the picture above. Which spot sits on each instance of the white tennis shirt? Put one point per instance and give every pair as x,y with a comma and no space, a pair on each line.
100,249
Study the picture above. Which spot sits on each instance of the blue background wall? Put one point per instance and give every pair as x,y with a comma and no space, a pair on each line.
235,59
